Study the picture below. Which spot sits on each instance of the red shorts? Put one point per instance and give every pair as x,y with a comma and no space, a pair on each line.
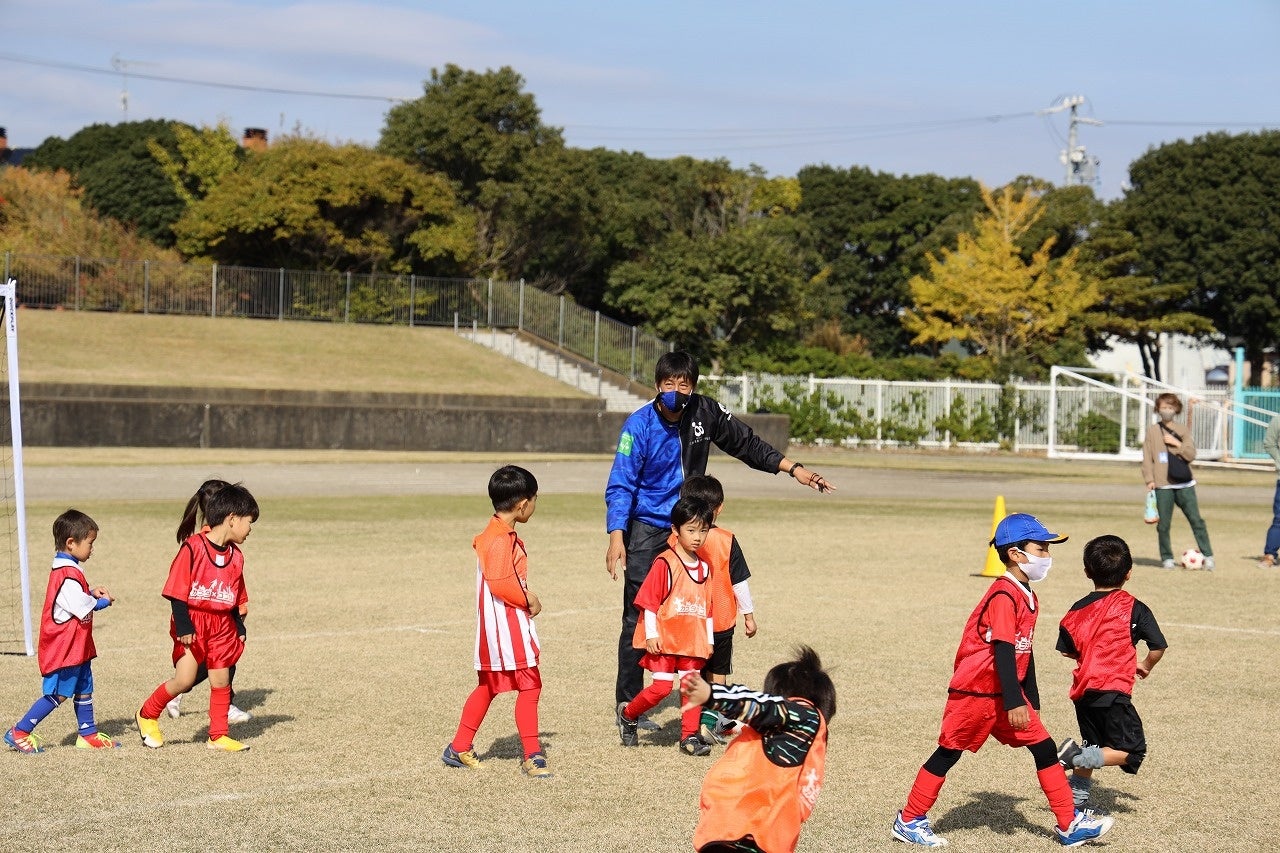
968,721
217,645
506,680
672,663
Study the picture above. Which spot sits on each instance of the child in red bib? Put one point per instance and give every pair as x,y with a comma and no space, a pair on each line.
993,691
205,589
66,638
675,626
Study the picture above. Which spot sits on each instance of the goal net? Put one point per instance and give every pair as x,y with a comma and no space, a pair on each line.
15,581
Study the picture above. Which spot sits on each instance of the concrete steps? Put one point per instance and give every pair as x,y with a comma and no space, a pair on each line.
588,379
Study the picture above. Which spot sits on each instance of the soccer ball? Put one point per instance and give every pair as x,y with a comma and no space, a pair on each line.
1192,559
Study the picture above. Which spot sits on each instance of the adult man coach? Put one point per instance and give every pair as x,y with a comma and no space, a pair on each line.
661,444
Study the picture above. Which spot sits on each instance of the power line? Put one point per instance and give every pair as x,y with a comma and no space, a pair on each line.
186,81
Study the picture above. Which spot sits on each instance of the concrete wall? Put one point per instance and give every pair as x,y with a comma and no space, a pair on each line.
63,415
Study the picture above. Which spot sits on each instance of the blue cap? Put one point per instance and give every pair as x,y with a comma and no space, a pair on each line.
1020,527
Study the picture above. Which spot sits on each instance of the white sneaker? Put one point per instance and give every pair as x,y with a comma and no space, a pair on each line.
174,706
236,715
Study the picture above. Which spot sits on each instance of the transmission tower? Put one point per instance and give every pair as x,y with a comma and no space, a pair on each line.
1081,168
123,65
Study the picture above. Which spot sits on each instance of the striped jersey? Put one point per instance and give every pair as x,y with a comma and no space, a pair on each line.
506,638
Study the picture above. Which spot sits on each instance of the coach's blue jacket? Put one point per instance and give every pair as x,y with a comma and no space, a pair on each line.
654,456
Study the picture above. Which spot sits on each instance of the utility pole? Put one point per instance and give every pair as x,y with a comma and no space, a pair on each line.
123,65
1081,169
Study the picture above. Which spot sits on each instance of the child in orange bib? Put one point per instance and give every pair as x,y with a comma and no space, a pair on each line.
675,628
759,794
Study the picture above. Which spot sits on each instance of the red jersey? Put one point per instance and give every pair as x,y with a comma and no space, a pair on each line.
66,622
506,638
1100,631
746,794
681,597
207,578
1007,612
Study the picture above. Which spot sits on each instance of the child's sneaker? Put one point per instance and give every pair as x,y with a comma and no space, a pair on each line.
1170,565
917,832
27,743
709,728
174,707
627,729
466,758
235,715
1209,564
648,725
97,740
694,745
535,767
1087,826
226,744
1268,561
1067,754
150,731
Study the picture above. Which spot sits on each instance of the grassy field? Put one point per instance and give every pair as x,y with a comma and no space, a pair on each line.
360,649
362,626
227,352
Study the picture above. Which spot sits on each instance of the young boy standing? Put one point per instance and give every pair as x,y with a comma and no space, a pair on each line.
993,691
1101,632
730,594
66,638
506,639
675,628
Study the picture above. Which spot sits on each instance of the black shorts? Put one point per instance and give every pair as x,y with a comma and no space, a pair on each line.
1115,725
721,660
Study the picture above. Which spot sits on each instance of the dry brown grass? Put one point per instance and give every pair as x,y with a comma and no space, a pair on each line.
228,352
360,650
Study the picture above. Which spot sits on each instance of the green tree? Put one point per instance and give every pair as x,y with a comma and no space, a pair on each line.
475,128
204,157
1207,213
307,204
871,232
1133,306
712,293
120,177
984,293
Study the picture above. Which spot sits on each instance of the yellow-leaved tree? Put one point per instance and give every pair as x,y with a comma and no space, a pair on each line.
987,293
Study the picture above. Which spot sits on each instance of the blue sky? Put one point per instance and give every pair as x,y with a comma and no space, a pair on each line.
905,87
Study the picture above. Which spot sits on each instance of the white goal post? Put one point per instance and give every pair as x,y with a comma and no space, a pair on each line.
15,578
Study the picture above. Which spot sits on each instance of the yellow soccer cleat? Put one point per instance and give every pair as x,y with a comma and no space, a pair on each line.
227,744
150,731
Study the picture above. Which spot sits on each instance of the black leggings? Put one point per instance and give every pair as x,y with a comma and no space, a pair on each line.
943,759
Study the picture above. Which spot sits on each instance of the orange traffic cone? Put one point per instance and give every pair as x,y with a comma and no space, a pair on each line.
994,567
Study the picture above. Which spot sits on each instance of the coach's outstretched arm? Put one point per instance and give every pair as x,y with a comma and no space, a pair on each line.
804,476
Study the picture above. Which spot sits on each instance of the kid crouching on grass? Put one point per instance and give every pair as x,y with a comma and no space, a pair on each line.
506,639
675,627
764,787
66,638
205,589
1101,632
730,594
993,691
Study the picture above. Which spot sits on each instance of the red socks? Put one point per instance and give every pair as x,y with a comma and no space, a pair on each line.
219,702
1053,781
473,711
527,720
156,701
924,793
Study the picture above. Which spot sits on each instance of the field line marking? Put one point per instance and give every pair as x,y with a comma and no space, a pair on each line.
1270,632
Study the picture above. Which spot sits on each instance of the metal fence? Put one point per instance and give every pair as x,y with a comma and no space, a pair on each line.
153,287
881,413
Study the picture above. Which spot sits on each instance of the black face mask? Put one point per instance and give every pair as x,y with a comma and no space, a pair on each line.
673,401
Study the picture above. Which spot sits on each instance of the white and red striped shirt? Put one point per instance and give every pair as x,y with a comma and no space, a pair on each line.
506,638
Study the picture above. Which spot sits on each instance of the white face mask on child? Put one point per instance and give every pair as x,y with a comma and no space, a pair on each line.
1036,568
